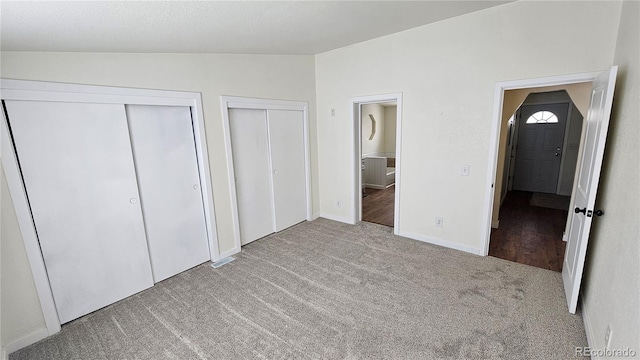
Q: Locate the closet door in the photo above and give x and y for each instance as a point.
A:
(165, 158)
(80, 181)
(286, 133)
(251, 163)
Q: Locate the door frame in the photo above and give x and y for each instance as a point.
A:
(61, 92)
(500, 88)
(236, 102)
(355, 105)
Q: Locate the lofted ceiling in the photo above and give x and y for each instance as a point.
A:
(248, 27)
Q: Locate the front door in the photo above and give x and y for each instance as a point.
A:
(538, 153)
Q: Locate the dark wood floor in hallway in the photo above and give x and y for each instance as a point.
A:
(378, 205)
(528, 234)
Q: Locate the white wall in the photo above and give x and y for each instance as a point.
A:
(262, 76)
(447, 73)
(20, 307)
(390, 128)
(375, 145)
(611, 286)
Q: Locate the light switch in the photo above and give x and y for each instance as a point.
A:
(464, 171)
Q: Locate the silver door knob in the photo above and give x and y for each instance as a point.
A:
(195, 187)
(556, 154)
(275, 171)
(133, 200)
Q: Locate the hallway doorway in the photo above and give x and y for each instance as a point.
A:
(376, 158)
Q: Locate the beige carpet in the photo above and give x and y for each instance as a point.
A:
(550, 201)
(326, 290)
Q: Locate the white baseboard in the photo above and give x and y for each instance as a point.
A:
(342, 219)
(25, 341)
(495, 224)
(3, 353)
(441, 242)
(229, 253)
(588, 329)
(375, 186)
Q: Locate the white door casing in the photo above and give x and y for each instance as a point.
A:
(539, 149)
(81, 184)
(164, 153)
(596, 126)
(254, 192)
(286, 139)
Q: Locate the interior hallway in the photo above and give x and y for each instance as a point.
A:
(529, 234)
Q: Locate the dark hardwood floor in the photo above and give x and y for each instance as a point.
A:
(528, 234)
(377, 206)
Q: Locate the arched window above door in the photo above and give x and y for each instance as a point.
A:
(542, 117)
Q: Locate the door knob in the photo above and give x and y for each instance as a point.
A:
(195, 187)
(556, 154)
(578, 210)
(599, 212)
(133, 200)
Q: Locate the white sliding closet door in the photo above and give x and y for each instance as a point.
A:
(286, 133)
(80, 180)
(165, 157)
(250, 148)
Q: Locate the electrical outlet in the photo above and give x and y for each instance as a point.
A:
(607, 337)
(464, 171)
(439, 222)
(338, 203)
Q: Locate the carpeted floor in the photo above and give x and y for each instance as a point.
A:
(328, 290)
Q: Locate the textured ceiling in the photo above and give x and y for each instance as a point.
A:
(249, 27)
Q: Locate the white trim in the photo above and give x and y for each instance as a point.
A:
(314, 216)
(495, 224)
(206, 186)
(235, 102)
(495, 135)
(229, 253)
(338, 218)
(30, 339)
(441, 242)
(356, 157)
(47, 91)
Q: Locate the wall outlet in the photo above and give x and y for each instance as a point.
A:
(333, 112)
(439, 222)
(338, 203)
(607, 337)
(464, 170)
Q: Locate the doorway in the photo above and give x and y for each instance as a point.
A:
(539, 165)
(587, 175)
(378, 148)
(376, 158)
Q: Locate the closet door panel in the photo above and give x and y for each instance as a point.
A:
(80, 181)
(250, 150)
(286, 132)
(167, 169)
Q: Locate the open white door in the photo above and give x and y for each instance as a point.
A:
(595, 136)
